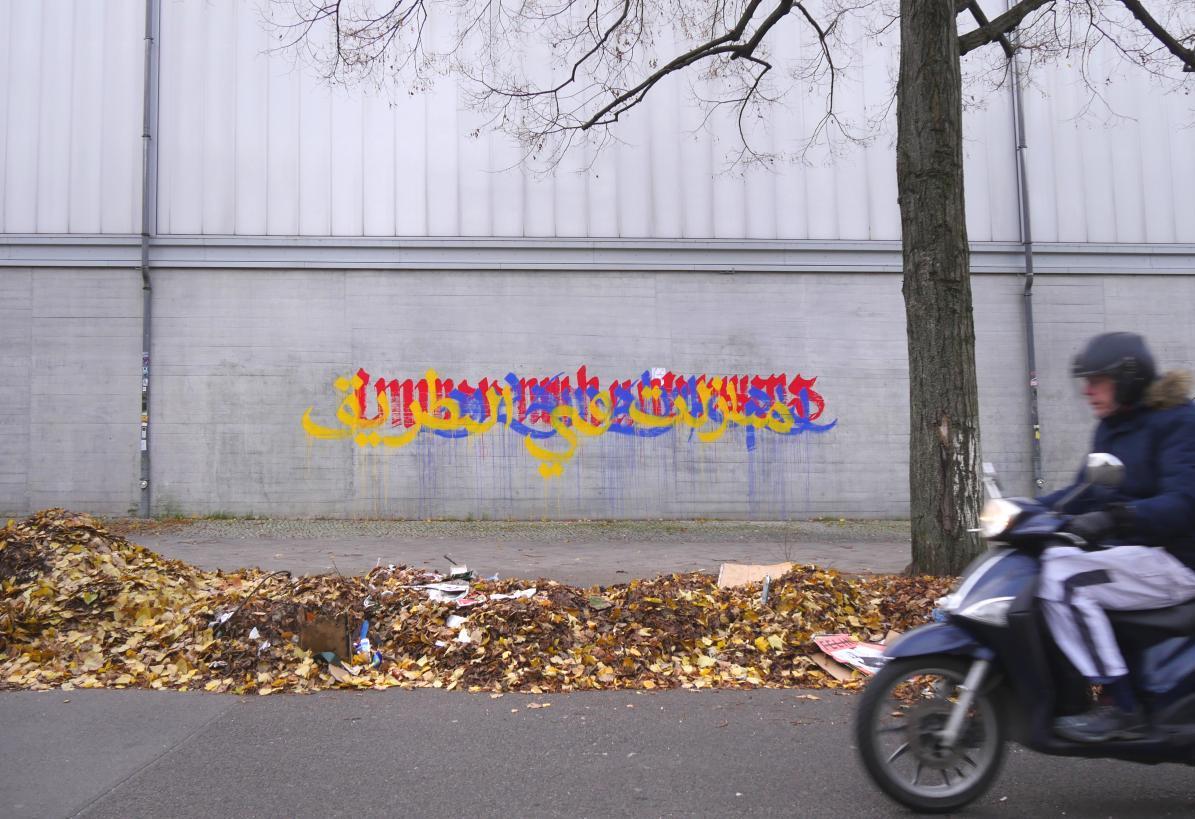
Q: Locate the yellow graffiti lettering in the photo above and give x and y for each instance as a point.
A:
(552, 461)
(647, 419)
(600, 409)
(718, 397)
(321, 432)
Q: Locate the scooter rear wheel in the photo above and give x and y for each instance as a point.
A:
(903, 709)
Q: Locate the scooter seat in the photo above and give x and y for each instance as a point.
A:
(1178, 619)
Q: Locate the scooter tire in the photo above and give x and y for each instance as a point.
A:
(872, 703)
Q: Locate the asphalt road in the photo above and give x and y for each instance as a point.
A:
(432, 754)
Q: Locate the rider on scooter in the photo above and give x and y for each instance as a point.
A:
(1140, 537)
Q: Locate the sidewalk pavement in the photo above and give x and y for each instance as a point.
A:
(582, 553)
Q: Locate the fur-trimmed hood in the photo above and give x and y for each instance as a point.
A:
(1172, 389)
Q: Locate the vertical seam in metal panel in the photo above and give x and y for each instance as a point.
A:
(35, 164)
(4, 120)
(394, 176)
(203, 35)
(361, 163)
(269, 126)
(298, 124)
(70, 121)
(236, 120)
(99, 203)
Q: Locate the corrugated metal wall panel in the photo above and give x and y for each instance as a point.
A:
(1114, 167)
(23, 116)
(124, 68)
(70, 107)
(6, 87)
(251, 144)
(352, 162)
(54, 116)
(85, 200)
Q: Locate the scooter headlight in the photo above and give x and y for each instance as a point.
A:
(993, 611)
(997, 517)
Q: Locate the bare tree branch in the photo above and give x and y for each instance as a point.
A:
(1006, 22)
(982, 19)
(1163, 36)
(591, 61)
(610, 112)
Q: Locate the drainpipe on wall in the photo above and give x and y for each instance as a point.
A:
(149, 186)
(1018, 117)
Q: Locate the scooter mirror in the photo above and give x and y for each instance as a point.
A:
(1104, 469)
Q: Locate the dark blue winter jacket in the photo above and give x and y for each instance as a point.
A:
(1156, 441)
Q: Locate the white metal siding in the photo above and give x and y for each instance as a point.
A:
(1122, 173)
(70, 116)
(252, 145)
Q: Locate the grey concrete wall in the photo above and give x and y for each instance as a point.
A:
(239, 355)
(70, 407)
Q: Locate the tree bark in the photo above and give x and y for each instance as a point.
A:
(944, 453)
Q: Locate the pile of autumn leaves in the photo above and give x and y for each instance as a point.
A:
(80, 607)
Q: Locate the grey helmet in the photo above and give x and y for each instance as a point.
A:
(1122, 356)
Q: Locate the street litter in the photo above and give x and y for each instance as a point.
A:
(849, 653)
(445, 591)
(84, 608)
(363, 649)
(521, 593)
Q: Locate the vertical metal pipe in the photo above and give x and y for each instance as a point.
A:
(1018, 116)
(149, 185)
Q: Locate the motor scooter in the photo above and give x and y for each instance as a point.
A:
(934, 721)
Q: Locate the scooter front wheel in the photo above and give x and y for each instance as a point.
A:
(898, 730)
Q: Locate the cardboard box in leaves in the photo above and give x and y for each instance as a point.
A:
(842, 655)
(742, 574)
(320, 632)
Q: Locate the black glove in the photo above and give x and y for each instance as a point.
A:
(1092, 526)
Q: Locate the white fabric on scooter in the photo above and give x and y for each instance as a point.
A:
(1077, 587)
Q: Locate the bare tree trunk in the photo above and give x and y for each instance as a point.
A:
(944, 479)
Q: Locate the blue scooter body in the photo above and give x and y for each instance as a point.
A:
(1034, 681)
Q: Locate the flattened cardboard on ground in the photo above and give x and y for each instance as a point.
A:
(834, 668)
(841, 671)
(845, 649)
(740, 574)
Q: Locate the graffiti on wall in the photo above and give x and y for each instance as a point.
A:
(553, 415)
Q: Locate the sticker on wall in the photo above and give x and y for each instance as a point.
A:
(554, 415)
